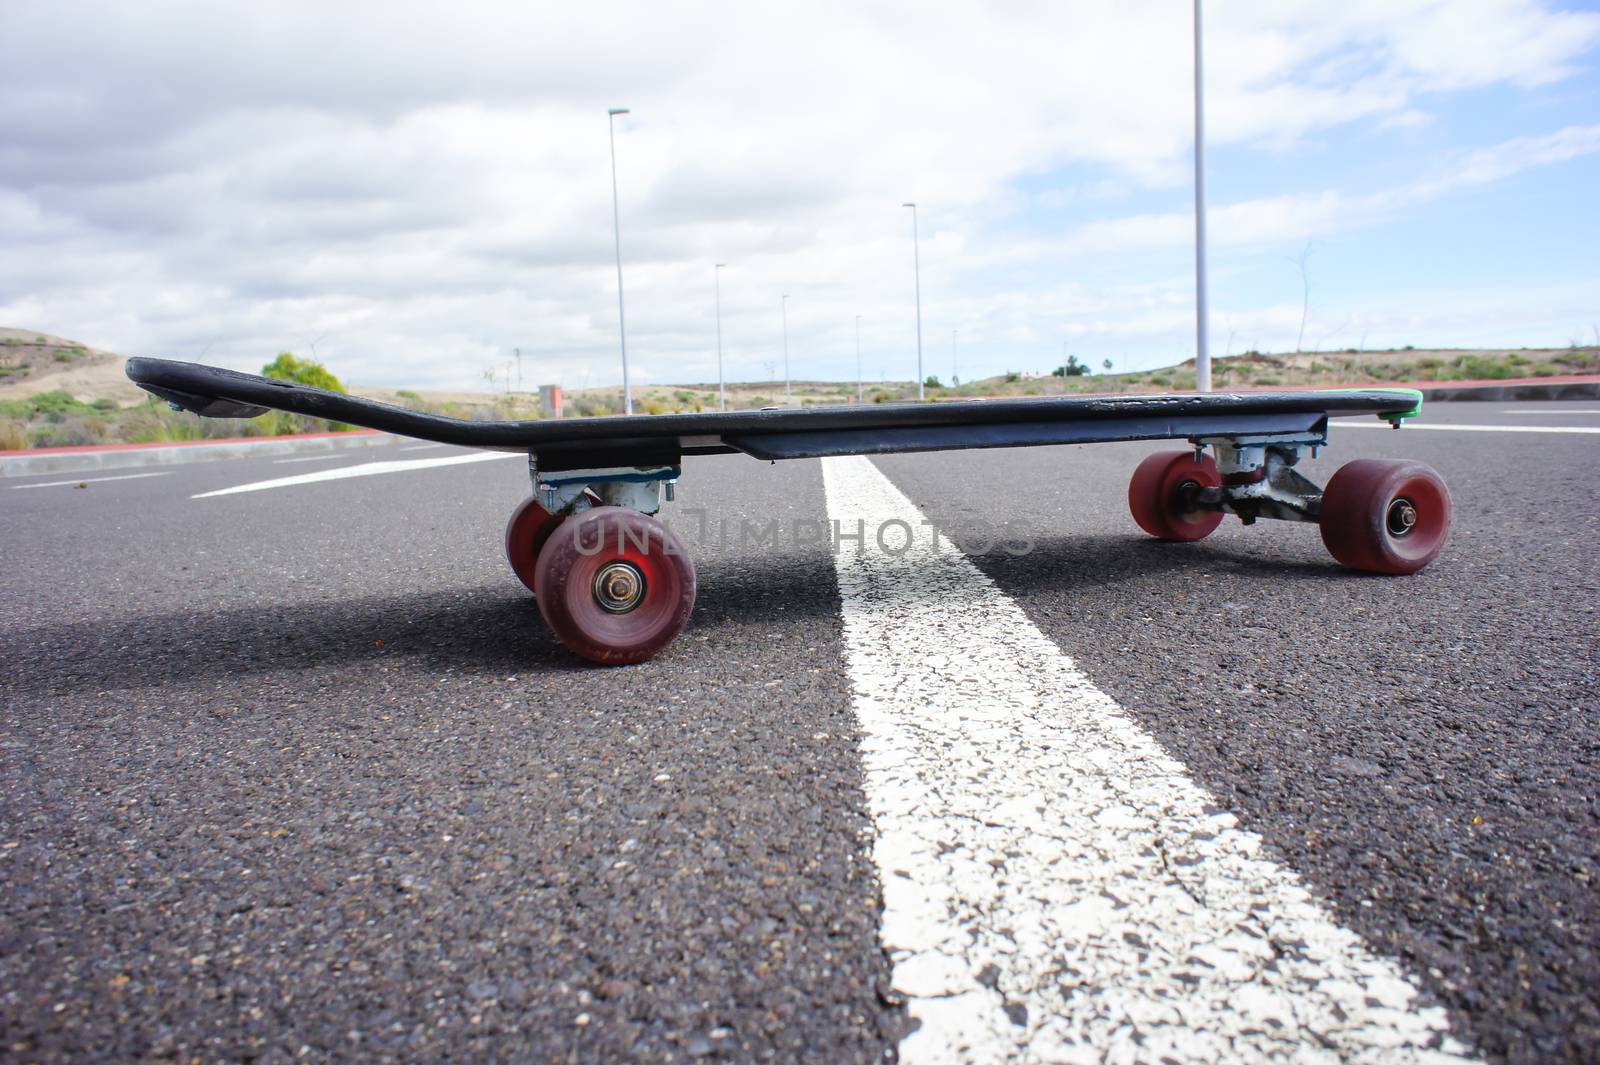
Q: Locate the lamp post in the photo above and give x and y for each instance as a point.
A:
(722, 390)
(916, 266)
(616, 223)
(861, 388)
(954, 375)
(788, 385)
(1202, 353)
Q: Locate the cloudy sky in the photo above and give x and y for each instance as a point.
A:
(418, 189)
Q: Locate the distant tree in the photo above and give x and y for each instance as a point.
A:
(1073, 368)
(286, 367)
(932, 382)
(1107, 365)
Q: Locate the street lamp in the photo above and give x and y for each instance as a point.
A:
(861, 389)
(954, 377)
(788, 386)
(1202, 353)
(616, 222)
(916, 266)
(722, 390)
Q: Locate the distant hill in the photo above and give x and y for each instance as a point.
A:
(32, 363)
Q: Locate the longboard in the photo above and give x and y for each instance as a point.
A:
(598, 481)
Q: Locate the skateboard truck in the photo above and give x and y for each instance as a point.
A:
(635, 488)
(1259, 479)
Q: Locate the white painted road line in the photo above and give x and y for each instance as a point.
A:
(366, 469)
(423, 447)
(1362, 423)
(1056, 887)
(308, 458)
(92, 480)
(1558, 411)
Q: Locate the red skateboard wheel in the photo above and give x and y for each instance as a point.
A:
(1385, 517)
(615, 586)
(1155, 495)
(530, 526)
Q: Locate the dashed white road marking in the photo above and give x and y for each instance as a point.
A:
(1362, 423)
(365, 469)
(308, 458)
(1056, 887)
(423, 447)
(92, 480)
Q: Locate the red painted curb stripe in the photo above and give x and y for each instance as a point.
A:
(89, 448)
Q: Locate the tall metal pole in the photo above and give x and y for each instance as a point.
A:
(788, 386)
(616, 223)
(861, 388)
(916, 265)
(1202, 353)
(722, 390)
(954, 333)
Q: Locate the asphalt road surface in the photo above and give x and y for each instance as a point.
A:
(297, 772)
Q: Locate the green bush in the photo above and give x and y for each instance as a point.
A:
(71, 431)
(1269, 381)
(1480, 367)
(286, 367)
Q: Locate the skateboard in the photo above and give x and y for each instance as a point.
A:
(617, 586)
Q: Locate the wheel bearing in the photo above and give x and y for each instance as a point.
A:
(1401, 518)
(619, 587)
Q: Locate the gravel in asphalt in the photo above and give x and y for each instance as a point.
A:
(287, 772)
(301, 768)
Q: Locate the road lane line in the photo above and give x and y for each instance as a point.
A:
(423, 447)
(1055, 886)
(92, 480)
(365, 469)
(1362, 423)
(1561, 411)
(308, 458)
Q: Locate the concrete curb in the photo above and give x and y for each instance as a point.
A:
(121, 456)
(1511, 391)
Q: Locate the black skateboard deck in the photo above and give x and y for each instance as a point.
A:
(791, 432)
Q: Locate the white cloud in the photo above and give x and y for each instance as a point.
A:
(426, 187)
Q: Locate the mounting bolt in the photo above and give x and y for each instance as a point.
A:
(672, 490)
(549, 491)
